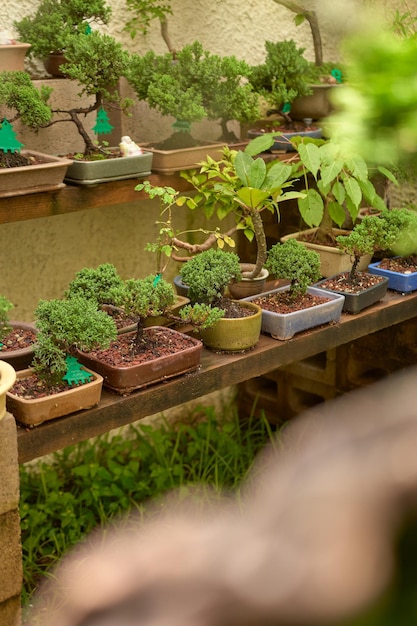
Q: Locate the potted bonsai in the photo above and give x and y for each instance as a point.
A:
(280, 80)
(336, 182)
(208, 275)
(56, 385)
(298, 306)
(399, 264)
(190, 85)
(244, 186)
(54, 23)
(17, 339)
(149, 354)
(12, 53)
(25, 171)
(361, 288)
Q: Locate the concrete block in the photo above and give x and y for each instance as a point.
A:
(11, 576)
(9, 467)
(10, 612)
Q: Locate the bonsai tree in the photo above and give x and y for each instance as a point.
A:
(96, 284)
(243, 186)
(55, 22)
(282, 77)
(5, 307)
(336, 183)
(294, 262)
(64, 325)
(193, 84)
(20, 99)
(208, 274)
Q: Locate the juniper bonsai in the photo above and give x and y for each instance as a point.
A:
(208, 274)
(64, 325)
(96, 284)
(294, 262)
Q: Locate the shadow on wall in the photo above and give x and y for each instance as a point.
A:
(313, 542)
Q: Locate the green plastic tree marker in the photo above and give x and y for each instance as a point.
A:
(337, 74)
(181, 126)
(88, 29)
(75, 374)
(286, 108)
(102, 125)
(156, 279)
(8, 141)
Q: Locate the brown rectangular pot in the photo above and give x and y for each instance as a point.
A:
(45, 176)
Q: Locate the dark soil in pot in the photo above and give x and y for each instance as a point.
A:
(33, 387)
(403, 265)
(233, 309)
(178, 141)
(17, 339)
(15, 159)
(284, 303)
(343, 282)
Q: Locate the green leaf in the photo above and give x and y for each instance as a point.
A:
(368, 191)
(353, 190)
(277, 175)
(357, 165)
(243, 164)
(253, 198)
(299, 19)
(260, 144)
(311, 208)
(331, 171)
(339, 192)
(352, 208)
(310, 157)
(337, 213)
(257, 173)
(388, 174)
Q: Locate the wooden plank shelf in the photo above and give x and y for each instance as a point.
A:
(79, 198)
(217, 371)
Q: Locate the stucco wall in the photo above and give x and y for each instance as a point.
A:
(39, 257)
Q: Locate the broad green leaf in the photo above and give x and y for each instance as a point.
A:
(277, 174)
(339, 192)
(388, 174)
(324, 189)
(337, 213)
(311, 208)
(290, 195)
(257, 173)
(357, 165)
(260, 144)
(353, 190)
(378, 203)
(251, 197)
(243, 164)
(310, 157)
(299, 19)
(352, 208)
(368, 191)
(331, 171)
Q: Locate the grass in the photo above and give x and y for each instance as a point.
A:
(92, 483)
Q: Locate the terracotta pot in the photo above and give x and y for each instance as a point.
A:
(47, 175)
(285, 325)
(126, 379)
(22, 358)
(12, 57)
(33, 412)
(53, 63)
(248, 286)
(7, 379)
(236, 334)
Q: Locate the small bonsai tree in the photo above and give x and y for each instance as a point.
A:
(336, 183)
(282, 77)
(5, 307)
(208, 274)
(64, 325)
(55, 22)
(96, 284)
(192, 84)
(294, 262)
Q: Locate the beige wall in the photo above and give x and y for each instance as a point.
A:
(39, 257)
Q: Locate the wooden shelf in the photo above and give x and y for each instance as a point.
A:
(217, 371)
(79, 198)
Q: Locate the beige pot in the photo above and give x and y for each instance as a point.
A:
(7, 379)
(46, 175)
(234, 334)
(171, 161)
(12, 57)
(332, 260)
(248, 286)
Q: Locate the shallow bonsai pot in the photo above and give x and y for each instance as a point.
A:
(180, 287)
(46, 176)
(285, 326)
(7, 379)
(32, 412)
(12, 57)
(234, 334)
(248, 286)
(161, 320)
(171, 161)
(315, 106)
(107, 170)
(356, 302)
(22, 358)
(126, 379)
(397, 281)
(282, 141)
(332, 260)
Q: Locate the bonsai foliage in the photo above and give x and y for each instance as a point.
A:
(303, 11)
(5, 307)
(336, 183)
(144, 12)
(64, 325)
(142, 298)
(243, 186)
(170, 241)
(96, 284)
(192, 84)
(282, 77)
(55, 22)
(208, 274)
(293, 261)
